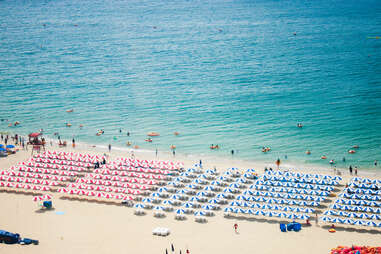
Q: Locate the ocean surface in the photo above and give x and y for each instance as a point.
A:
(240, 74)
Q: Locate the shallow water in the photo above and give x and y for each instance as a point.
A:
(219, 72)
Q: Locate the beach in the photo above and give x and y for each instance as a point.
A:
(267, 104)
(88, 227)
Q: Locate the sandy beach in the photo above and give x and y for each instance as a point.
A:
(88, 227)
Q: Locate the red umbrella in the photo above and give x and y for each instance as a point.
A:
(34, 134)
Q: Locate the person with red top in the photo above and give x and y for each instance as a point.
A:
(236, 228)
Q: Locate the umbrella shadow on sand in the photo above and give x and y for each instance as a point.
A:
(44, 210)
(257, 219)
(349, 229)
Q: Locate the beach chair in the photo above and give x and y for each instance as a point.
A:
(290, 226)
(297, 227)
(283, 227)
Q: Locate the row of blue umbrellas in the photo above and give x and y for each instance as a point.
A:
(299, 180)
(266, 213)
(358, 202)
(295, 191)
(365, 180)
(350, 221)
(366, 186)
(353, 215)
(286, 196)
(359, 196)
(273, 207)
(298, 174)
(363, 191)
(290, 184)
(367, 209)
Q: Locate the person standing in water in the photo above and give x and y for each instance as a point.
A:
(128, 133)
(375, 163)
(277, 163)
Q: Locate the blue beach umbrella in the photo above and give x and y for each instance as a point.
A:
(10, 146)
(199, 213)
(163, 189)
(180, 211)
(187, 205)
(155, 195)
(221, 195)
(167, 202)
(214, 201)
(2, 149)
(192, 199)
(158, 208)
(147, 200)
(139, 206)
(228, 209)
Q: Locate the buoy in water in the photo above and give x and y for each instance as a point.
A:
(176, 133)
(136, 147)
(308, 152)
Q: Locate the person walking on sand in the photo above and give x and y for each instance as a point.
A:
(200, 164)
(350, 169)
(156, 152)
(109, 147)
(73, 142)
(355, 171)
(235, 228)
(316, 219)
(174, 153)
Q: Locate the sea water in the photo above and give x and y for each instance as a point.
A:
(240, 74)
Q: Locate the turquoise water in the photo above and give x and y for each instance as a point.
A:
(231, 73)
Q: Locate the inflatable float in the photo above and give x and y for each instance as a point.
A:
(214, 147)
(153, 134)
(149, 140)
(351, 151)
(176, 133)
(70, 110)
(68, 124)
(173, 147)
(323, 157)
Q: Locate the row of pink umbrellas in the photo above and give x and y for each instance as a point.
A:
(104, 188)
(125, 173)
(47, 171)
(180, 164)
(63, 162)
(56, 166)
(24, 186)
(41, 198)
(28, 180)
(68, 154)
(94, 194)
(136, 169)
(32, 175)
(108, 180)
(115, 184)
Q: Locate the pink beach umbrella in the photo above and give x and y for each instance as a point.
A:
(37, 198)
(47, 197)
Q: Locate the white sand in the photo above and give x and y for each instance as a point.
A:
(100, 228)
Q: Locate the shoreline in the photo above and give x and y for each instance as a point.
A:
(221, 162)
